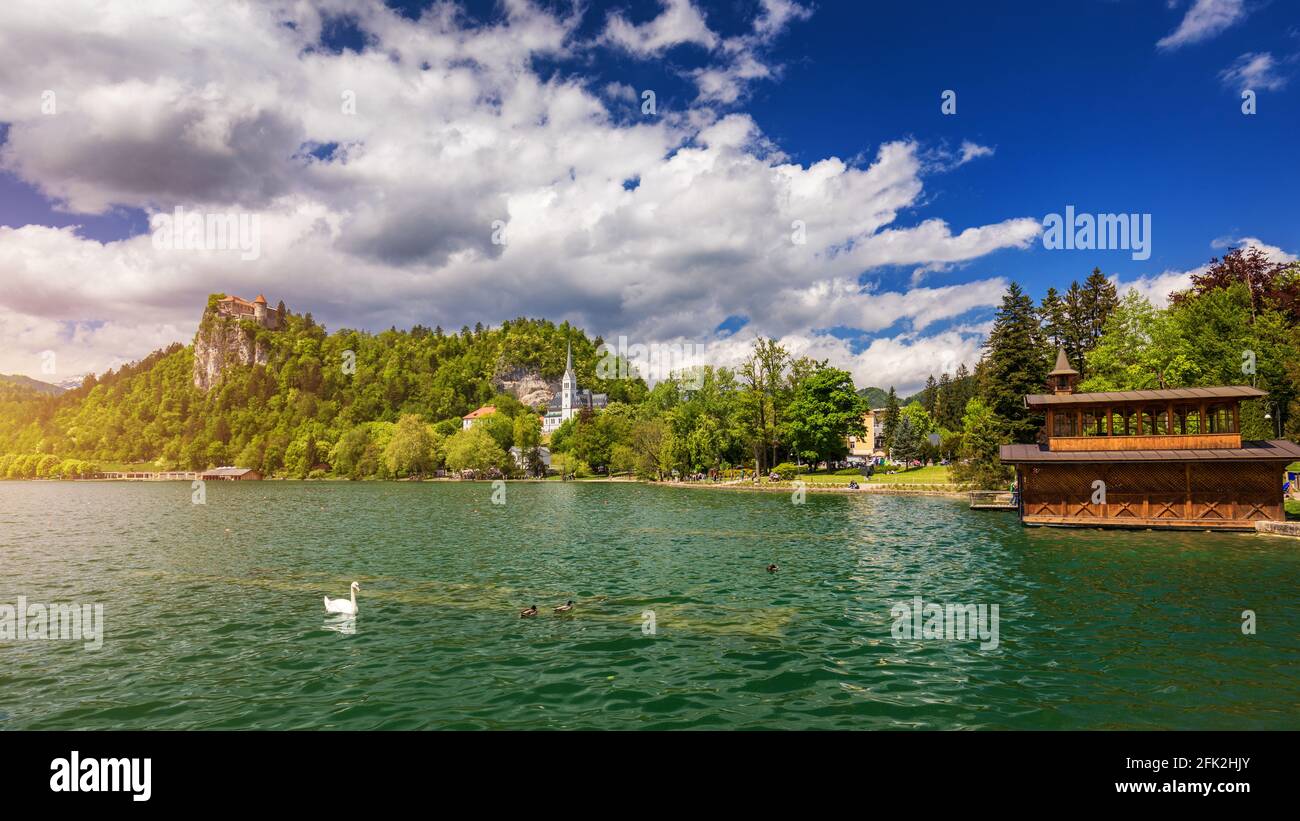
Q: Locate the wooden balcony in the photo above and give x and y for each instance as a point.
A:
(1201, 441)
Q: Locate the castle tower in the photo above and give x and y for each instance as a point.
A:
(568, 387)
(259, 310)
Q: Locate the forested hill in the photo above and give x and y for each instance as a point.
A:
(19, 381)
(287, 413)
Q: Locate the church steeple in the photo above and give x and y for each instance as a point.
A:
(568, 387)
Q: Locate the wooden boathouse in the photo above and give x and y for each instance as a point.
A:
(1170, 458)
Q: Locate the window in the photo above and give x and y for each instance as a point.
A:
(1065, 423)
(1094, 423)
(1123, 422)
(1220, 418)
(1187, 419)
(1155, 421)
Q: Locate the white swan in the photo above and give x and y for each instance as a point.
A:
(347, 608)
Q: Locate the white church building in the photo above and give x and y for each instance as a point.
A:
(571, 399)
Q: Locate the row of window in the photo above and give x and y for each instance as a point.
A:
(1186, 420)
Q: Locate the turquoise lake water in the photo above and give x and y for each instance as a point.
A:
(214, 616)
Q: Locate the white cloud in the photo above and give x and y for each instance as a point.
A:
(738, 60)
(621, 91)
(971, 151)
(453, 131)
(1255, 71)
(678, 23)
(1157, 287)
(1204, 20)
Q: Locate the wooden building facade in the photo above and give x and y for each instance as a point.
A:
(1171, 458)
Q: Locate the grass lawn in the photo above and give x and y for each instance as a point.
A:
(930, 475)
(1292, 508)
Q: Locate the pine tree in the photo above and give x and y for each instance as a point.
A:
(1100, 299)
(1074, 337)
(905, 444)
(963, 390)
(1015, 364)
(1054, 319)
(891, 418)
(930, 395)
(942, 400)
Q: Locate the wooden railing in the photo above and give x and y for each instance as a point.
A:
(1201, 441)
(992, 500)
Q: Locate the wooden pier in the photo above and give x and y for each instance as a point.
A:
(993, 500)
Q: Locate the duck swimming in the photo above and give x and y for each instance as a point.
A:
(564, 608)
(531, 611)
(771, 568)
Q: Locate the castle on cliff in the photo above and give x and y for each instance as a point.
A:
(219, 345)
(236, 308)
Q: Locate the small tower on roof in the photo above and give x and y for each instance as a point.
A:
(1063, 378)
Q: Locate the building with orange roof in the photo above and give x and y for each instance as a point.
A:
(256, 310)
(467, 421)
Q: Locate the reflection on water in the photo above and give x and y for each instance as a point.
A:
(1097, 629)
(339, 623)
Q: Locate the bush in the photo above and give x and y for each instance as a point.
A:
(786, 470)
(849, 471)
(317, 474)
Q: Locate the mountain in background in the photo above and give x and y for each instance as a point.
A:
(876, 397)
(36, 385)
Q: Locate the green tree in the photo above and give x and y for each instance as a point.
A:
(906, 443)
(1140, 348)
(1015, 364)
(475, 450)
(889, 423)
(411, 450)
(982, 435)
(348, 454)
(1053, 317)
(823, 413)
(528, 438)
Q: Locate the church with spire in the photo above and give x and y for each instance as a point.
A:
(571, 399)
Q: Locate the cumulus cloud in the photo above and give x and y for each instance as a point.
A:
(1205, 19)
(458, 186)
(734, 62)
(678, 22)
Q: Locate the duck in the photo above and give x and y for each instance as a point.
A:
(531, 611)
(771, 568)
(347, 608)
(564, 608)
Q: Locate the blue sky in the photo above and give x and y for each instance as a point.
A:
(1126, 106)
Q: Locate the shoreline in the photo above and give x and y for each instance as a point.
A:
(897, 489)
(812, 487)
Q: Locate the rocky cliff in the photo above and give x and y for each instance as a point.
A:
(223, 342)
(525, 384)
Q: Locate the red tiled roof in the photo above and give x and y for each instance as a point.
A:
(1279, 450)
(486, 410)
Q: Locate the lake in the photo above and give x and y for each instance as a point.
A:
(214, 619)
